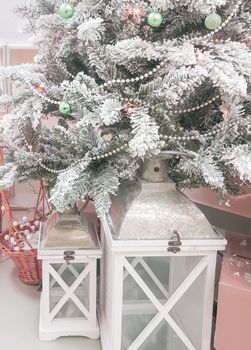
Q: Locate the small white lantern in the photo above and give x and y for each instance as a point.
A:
(69, 252)
(158, 269)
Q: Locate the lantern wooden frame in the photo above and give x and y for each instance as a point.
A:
(116, 267)
(82, 265)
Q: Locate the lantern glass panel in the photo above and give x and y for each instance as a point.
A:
(138, 311)
(155, 273)
(70, 310)
(56, 294)
(61, 279)
(190, 305)
(180, 269)
(148, 284)
(162, 275)
(164, 338)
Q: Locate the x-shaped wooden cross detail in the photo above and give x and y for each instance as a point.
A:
(69, 292)
(165, 309)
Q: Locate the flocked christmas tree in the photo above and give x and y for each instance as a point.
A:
(122, 79)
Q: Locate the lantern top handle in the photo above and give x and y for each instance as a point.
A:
(171, 154)
(156, 168)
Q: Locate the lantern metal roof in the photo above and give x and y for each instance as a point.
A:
(152, 208)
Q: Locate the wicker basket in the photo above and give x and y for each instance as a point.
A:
(28, 266)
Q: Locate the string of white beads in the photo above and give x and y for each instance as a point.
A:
(40, 94)
(109, 83)
(196, 108)
(84, 160)
(47, 99)
(190, 137)
(123, 147)
(198, 39)
(245, 122)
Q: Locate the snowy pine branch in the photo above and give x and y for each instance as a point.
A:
(8, 175)
(71, 185)
(110, 111)
(106, 182)
(240, 158)
(91, 30)
(129, 86)
(144, 131)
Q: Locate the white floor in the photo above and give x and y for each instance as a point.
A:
(19, 314)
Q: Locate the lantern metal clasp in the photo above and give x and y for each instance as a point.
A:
(174, 243)
(68, 256)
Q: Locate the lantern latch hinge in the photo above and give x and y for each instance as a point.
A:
(69, 256)
(174, 243)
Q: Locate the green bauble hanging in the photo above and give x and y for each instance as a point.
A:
(155, 19)
(65, 108)
(213, 21)
(66, 10)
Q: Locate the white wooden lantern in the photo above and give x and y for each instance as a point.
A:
(158, 269)
(69, 254)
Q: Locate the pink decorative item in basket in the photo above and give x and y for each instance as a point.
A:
(20, 241)
(20, 244)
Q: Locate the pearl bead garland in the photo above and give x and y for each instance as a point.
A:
(190, 138)
(88, 158)
(161, 64)
(77, 162)
(133, 80)
(117, 150)
(102, 86)
(47, 99)
(203, 136)
(204, 104)
(112, 82)
(177, 111)
(109, 83)
(123, 99)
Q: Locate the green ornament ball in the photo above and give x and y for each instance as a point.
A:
(65, 108)
(66, 10)
(213, 21)
(155, 19)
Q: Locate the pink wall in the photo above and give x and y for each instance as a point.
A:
(19, 55)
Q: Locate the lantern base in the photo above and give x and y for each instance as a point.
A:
(50, 331)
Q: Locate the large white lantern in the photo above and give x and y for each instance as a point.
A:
(158, 268)
(69, 252)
